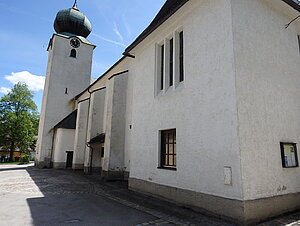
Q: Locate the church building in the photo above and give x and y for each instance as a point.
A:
(203, 109)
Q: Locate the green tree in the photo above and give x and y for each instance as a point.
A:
(18, 120)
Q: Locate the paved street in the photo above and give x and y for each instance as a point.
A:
(30, 196)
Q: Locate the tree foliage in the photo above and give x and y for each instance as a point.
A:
(18, 120)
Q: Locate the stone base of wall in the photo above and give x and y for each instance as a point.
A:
(77, 166)
(59, 165)
(126, 175)
(94, 170)
(263, 209)
(112, 175)
(241, 212)
(43, 164)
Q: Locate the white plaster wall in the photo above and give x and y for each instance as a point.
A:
(128, 120)
(64, 141)
(63, 72)
(97, 160)
(115, 120)
(80, 133)
(103, 79)
(118, 123)
(202, 109)
(98, 104)
(101, 103)
(95, 120)
(268, 83)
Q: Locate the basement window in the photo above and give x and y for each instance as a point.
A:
(289, 155)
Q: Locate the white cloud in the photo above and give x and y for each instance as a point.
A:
(34, 82)
(117, 32)
(109, 40)
(4, 90)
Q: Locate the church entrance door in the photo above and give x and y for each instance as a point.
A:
(69, 159)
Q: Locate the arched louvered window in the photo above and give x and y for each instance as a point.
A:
(73, 53)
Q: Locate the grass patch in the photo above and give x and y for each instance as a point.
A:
(9, 163)
(14, 163)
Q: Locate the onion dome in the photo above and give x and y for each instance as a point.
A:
(72, 21)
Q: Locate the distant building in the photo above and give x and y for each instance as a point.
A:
(202, 109)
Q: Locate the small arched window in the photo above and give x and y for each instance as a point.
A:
(73, 53)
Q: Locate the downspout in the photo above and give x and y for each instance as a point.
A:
(52, 151)
(87, 144)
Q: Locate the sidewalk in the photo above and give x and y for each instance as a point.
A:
(172, 212)
(162, 209)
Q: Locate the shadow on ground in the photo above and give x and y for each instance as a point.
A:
(70, 198)
(10, 169)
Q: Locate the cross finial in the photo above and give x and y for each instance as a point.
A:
(75, 5)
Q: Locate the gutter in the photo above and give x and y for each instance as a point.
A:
(293, 4)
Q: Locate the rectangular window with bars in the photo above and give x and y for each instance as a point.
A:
(168, 149)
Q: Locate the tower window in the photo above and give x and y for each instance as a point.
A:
(73, 53)
(102, 152)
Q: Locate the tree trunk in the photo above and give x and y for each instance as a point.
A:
(12, 150)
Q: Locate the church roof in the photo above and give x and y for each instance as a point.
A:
(72, 21)
(168, 9)
(100, 139)
(171, 7)
(293, 3)
(68, 122)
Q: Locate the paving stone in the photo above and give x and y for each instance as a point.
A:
(51, 183)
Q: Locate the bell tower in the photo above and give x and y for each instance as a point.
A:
(68, 74)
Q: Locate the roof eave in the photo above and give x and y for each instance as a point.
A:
(153, 26)
(293, 4)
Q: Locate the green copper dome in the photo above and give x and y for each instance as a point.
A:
(72, 21)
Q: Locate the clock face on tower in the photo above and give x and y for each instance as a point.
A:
(74, 42)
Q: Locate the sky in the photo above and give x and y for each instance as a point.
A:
(27, 26)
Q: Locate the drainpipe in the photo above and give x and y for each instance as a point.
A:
(52, 147)
(87, 144)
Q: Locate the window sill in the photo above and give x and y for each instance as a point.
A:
(167, 168)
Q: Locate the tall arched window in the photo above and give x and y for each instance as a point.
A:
(73, 53)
